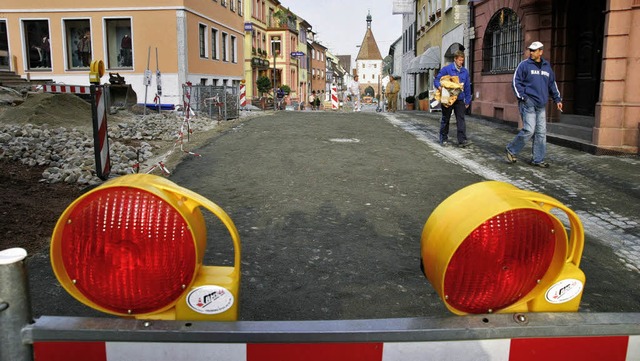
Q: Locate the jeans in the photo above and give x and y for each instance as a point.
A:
(459, 109)
(534, 125)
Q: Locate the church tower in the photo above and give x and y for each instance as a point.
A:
(369, 64)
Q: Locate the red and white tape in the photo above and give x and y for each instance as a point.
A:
(75, 89)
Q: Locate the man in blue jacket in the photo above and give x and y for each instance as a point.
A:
(533, 81)
(461, 104)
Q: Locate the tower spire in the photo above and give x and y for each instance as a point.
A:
(369, 20)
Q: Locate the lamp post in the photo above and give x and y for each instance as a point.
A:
(273, 50)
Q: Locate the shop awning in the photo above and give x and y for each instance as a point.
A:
(413, 66)
(430, 59)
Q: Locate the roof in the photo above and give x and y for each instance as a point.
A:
(369, 48)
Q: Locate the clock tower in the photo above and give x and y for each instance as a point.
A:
(369, 64)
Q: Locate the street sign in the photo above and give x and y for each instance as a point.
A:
(297, 53)
(248, 26)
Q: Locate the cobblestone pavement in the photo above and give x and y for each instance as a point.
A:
(603, 190)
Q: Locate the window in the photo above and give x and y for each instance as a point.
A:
(119, 43)
(77, 35)
(240, 12)
(234, 57)
(223, 2)
(232, 5)
(202, 30)
(502, 49)
(214, 44)
(225, 47)
(4, 46)
(37, 46)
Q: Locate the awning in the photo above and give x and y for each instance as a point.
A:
(430, 59)
(413, 66)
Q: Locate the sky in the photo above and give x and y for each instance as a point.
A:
(340, 25)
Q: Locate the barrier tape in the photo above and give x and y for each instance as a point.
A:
(186, 101)
(74, 89)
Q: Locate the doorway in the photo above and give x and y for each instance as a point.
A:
(585, 30)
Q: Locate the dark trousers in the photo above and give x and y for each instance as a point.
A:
(459, 108)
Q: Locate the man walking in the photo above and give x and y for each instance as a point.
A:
(533, 81)
(460, 105)
(392, 94)
(354, 89)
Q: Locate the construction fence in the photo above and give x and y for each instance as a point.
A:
(216, 102)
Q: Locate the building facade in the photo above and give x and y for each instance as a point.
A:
(593, 53)
(195, 42)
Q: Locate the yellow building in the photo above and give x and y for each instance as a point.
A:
(197, 42)
(273, 46)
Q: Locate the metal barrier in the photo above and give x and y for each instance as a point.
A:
(216, 102)
(522, 336)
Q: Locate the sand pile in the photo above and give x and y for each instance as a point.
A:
(65, 110)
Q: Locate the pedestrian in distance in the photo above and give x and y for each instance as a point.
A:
(312, 100)
(533, 82)
(280, 99)
(460, 105)
(354, 89)
(392, 94)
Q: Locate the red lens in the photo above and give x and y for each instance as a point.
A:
(500, 261)
(127, 250)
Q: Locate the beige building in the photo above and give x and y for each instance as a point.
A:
(197, 42)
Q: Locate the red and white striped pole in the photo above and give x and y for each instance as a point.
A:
(100, 136)
(334, 97)
(243, 94)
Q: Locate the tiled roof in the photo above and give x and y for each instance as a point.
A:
(369, 48)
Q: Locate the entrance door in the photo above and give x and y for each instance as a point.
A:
(4, 47)
(588, 40)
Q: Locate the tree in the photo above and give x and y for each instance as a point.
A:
(286, 89)
(264, 84)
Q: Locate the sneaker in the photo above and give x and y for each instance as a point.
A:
(511, 158)
(445, 143)
(540, 164)
(465, 143)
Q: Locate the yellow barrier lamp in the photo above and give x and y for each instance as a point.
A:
(134, 247)
(96, 71)
(491, 247)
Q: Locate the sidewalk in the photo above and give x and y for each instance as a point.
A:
(603, 190)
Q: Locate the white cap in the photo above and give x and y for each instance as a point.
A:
(535, 45)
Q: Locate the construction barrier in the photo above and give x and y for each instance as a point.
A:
(520, 337)
(100, 135)
(74, 89)
(334, 97)
(243, 95)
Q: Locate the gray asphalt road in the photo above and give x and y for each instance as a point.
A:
(330, 208)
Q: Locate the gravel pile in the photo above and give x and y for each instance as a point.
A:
(68, 153)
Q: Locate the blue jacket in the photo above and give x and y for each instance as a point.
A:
(463, 77)
(531, 82)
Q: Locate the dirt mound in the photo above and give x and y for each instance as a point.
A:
(64, 110)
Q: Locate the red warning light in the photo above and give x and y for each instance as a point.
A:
(127, 250)
(500, 261)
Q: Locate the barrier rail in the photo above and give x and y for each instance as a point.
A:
(539, 336)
